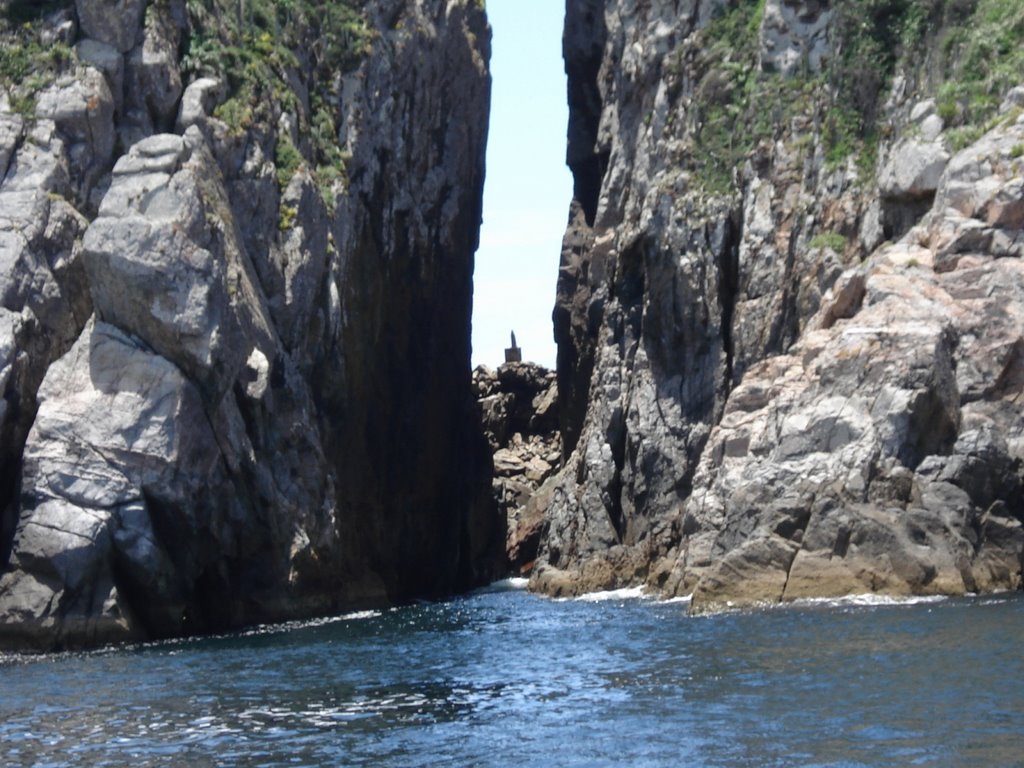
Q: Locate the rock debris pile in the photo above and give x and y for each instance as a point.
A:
(519, 410)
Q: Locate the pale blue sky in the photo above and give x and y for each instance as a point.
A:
(528, 187)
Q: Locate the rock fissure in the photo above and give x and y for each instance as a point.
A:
(728, 263)
(788, 314)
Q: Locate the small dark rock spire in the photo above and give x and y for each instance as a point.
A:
(513, 354)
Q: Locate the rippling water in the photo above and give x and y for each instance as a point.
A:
(506, 678)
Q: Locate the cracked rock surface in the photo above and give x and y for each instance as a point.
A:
(807, 384)
(233, 393)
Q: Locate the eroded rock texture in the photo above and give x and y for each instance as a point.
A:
(762, 399)
(519, 410)
(232, 395)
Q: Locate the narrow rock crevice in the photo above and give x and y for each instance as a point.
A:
(583, 48)
(728, 282)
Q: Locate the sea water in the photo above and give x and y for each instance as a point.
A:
(505, 678)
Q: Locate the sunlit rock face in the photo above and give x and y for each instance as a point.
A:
(234, 334)
(794, 372)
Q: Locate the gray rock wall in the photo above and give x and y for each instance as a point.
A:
(759, 403)
(230, 397)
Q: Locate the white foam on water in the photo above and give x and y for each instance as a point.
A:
(868, 600)
(628, 593)
(684, 600)
(513, 584)
(360, 615)
(290, 626)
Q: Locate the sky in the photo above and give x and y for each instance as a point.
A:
(528, 187)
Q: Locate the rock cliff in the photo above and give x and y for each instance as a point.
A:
(236, 251)
(790, 307)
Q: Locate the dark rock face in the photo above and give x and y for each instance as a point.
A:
(228, 397)
(519, 409)
(759, 403)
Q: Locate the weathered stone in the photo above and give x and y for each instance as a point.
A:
(42, 286)
(156, 269)
(922, 111)
(11, 127)
(271, 415)
(118, 430)
(117, 23)
(794, 35)
(293, 275)
(198, 101)
(107, 60)
(58, 26)
(524, 528)
(82, 108)
(755, 406)
(931, 128)
(506, 463)
(1014, 98)
(914, 170)
(518, 405)
(153, 84)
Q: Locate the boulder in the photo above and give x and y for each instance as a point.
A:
(198, 101)
(118, 23)
(106, 59)
(794, 34)
(913, 170)
(120, 437)
(82, 108)
(931, 128)
(158, 270)
(1014, 98)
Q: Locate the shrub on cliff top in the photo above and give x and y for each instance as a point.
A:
(969, 51)
(965, 52)
(984, 57)
(261, 47)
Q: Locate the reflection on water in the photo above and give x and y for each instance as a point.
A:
(504, 677)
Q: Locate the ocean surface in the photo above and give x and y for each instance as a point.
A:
(505, 678)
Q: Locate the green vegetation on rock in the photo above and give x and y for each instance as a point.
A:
(831, 240)
(727, 93)
(741, 106)
(26, 64)
(967, 53)
(260, 49)
(984, 55)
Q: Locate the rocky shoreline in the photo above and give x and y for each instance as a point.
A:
(236, 256)
(801, 377)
